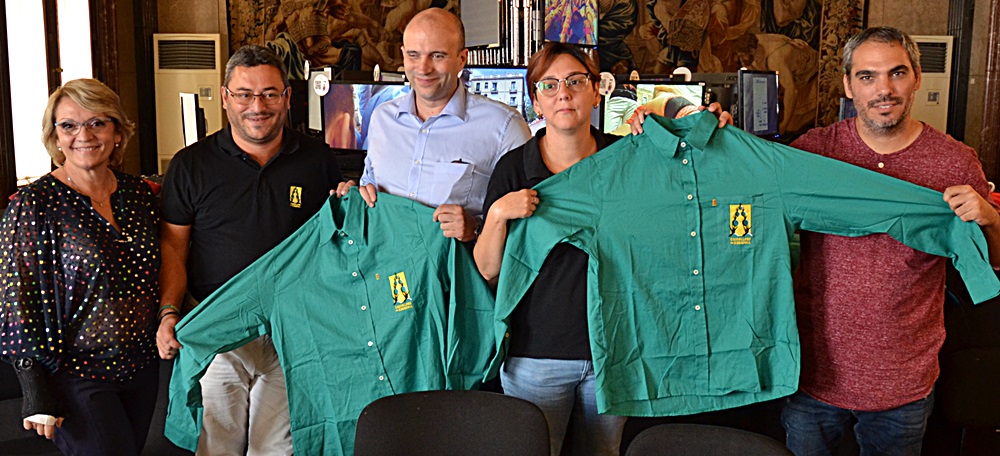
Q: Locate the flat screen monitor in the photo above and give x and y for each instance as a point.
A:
(192, 118)
(571, 21)
(481, 19)
(757, 100)
(507, 85)
(660, 97)
(847, 109)
(719, 88)
(348, 108)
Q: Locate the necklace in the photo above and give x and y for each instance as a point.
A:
(74, 187)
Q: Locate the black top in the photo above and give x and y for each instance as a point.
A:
(551, 319)
(79, 295)
(239, 210)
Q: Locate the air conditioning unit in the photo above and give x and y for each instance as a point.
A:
(184, 63)
(930, 104)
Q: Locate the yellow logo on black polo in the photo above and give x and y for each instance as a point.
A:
(740, 224)
(295, 196)
(400, 292)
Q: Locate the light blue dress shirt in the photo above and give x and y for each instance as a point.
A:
(446, 159)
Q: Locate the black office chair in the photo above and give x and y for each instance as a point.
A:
(702, 440)
(451, 423)
(967, 394)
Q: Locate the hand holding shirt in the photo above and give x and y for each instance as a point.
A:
(361, 303)
(690, 299)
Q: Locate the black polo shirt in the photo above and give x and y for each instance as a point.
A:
(551, 319)
(239, 210)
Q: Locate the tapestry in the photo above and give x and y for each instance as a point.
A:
(800, 39)
(341, 34)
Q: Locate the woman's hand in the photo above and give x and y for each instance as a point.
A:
(47, 430)
(166, 342)
(515, 205)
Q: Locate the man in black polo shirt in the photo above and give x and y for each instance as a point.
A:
(227, 200)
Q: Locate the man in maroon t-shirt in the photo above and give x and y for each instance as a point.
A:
(870, 309)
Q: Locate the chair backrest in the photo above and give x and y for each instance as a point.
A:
(451, 423)
(701, 439)
(966, 392)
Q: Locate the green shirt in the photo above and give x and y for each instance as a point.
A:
(361, 303)
(690, 301)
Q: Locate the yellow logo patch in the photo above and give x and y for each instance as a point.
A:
(295, 197)
(400, 292)
(740, 224)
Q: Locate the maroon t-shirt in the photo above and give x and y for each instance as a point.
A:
(870, 309)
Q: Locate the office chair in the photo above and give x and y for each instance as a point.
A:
(703, 439)
(967, 393)
(451, 423)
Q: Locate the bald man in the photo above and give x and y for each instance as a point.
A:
(438, 144)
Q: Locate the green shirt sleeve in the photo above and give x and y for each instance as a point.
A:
(562, 216)
(470, 343)
(862, 202)
(229, 318)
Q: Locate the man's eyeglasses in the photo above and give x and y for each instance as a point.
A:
(95, 125)
(574, 82)
(270, 97)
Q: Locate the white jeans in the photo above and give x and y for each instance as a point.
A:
(243, 392)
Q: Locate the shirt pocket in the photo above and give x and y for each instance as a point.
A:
(451, 183)
(734, 221)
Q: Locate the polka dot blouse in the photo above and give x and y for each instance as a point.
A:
(77, 294)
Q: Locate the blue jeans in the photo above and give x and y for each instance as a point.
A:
(564, 389)
(815, 428)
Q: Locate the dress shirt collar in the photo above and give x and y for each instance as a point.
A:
(696, 129)
(456, 104)
(347, 216)
(289, 142)
(342, 217)
(534, 167)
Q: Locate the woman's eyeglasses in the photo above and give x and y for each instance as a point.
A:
(95, 125)
(574, 82)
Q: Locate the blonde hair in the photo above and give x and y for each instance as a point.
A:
(92, 95)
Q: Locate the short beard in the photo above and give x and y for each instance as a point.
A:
(888, 127)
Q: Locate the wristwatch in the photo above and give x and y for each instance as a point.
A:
(24, 364)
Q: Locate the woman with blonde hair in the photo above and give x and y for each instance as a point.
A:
(79, 272)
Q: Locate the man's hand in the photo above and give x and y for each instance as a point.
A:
(46, 430)
(970, 206)
(343, 188)
(368, 193)
(725, 118)
(166, 342)
(515, 205)
(456, 222)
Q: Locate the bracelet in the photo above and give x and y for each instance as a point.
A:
(168, 306)
(164, 315)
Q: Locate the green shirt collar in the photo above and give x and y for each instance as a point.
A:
(335, 218)
(696, 129)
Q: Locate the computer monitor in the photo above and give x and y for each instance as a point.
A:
(847, 110)
(757, 102)
(507, 85)
(571, 21)
(661, 97)
(192, 118)
(719, 88)
(348, 108)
